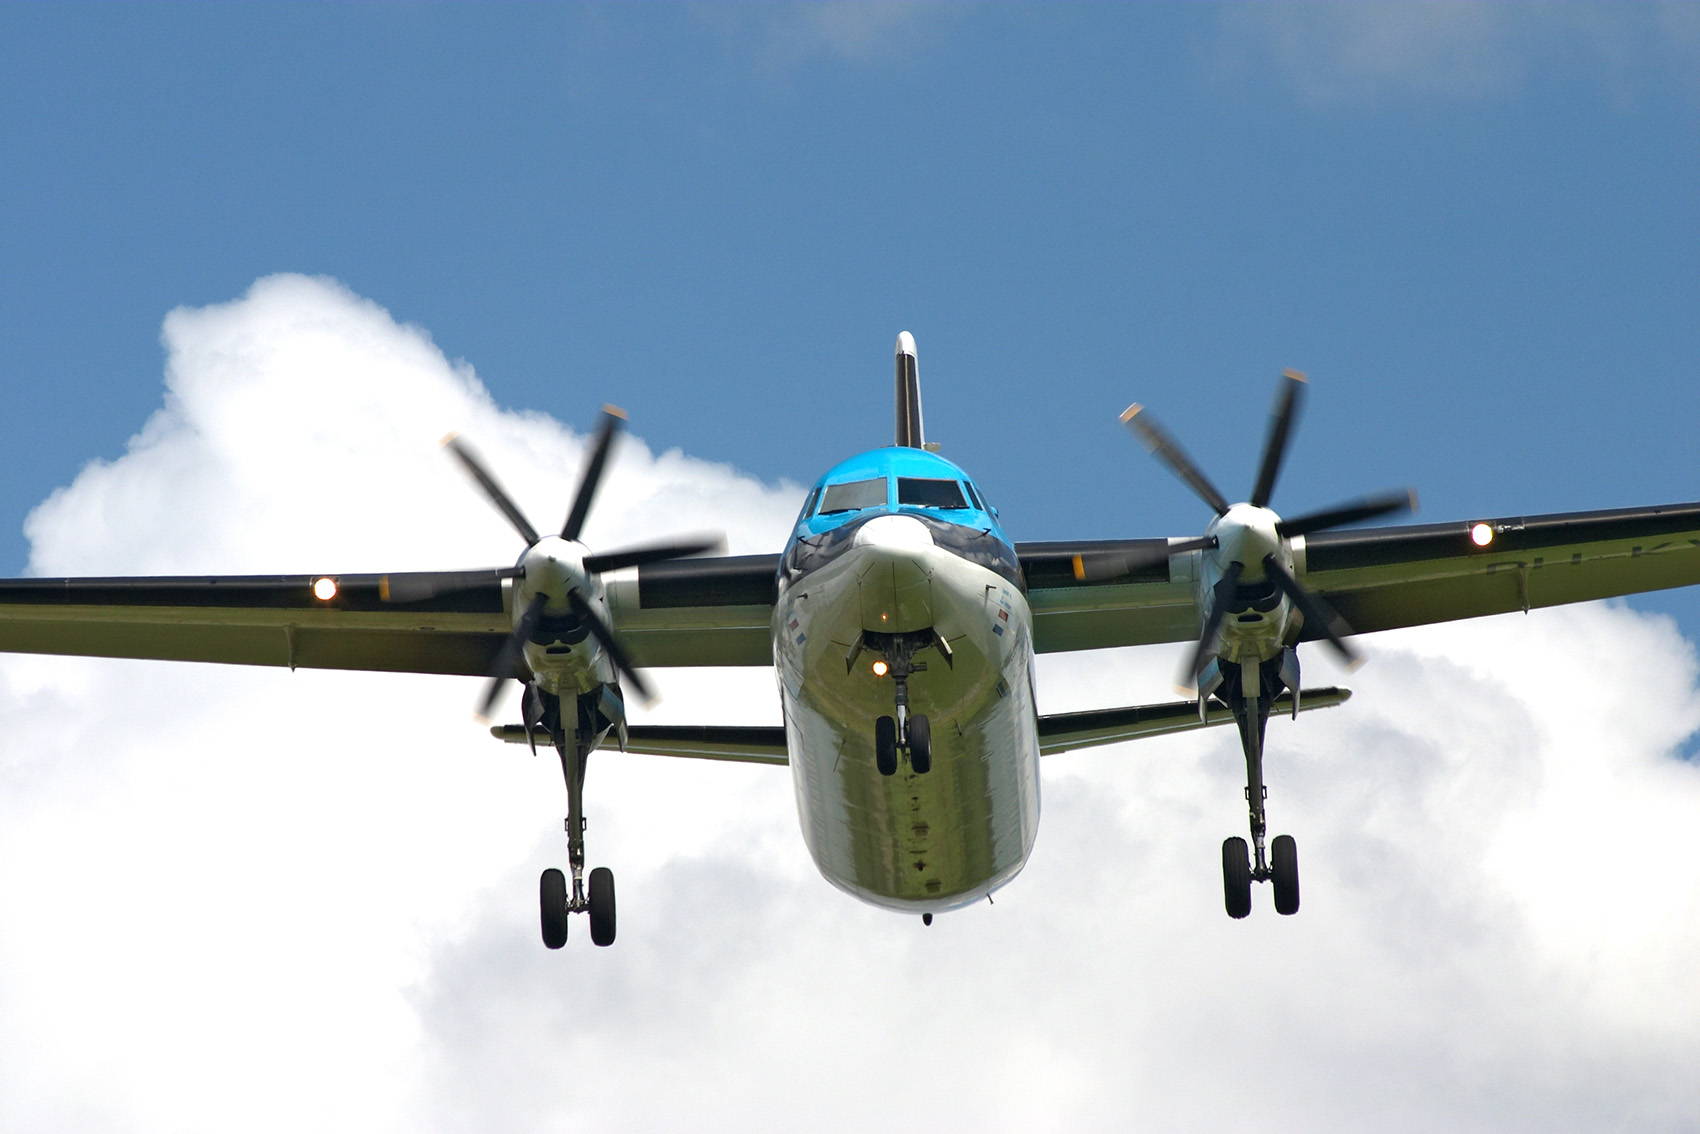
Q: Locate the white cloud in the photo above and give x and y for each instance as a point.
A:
(1460, 49)
(317, 890)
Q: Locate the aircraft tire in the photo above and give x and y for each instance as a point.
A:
(920, 745)
(552, 897)
(602, 906)
(1284, 871)
(885, 746)
(1236, 877)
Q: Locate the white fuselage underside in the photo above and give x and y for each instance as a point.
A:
(911, 842)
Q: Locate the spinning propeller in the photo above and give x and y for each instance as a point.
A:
(1251, 540)
(566, 568)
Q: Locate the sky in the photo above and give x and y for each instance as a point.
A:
(257, 259)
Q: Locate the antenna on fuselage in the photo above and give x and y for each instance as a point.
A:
(908, 394)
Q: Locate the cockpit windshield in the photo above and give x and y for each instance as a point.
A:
(928, 492)
(851, 497)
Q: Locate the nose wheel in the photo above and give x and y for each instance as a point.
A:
(889, 741)
(904, 732)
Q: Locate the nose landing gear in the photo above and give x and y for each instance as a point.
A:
(911, 733)
(1279, 861)
(573, 746)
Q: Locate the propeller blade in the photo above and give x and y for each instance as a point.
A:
(1281, 419)
(417, 586)
(1357, 511)
(1318, 614)
(605, 635)
(1097, 568)
(652, 553)
(475, 467)
(507, 661)
(1167, 450)
(612, 416)
(1224, 594)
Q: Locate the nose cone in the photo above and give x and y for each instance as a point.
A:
(552, 566)
(894, 533)
(895, 583)
(1246, 534)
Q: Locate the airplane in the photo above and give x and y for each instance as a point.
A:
(902, 623)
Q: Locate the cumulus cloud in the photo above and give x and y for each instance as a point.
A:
(318, 890)
(1458, 49)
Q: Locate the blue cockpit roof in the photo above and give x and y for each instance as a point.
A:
(890, 464)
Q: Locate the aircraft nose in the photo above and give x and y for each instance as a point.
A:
(896, 583)
(895, 533)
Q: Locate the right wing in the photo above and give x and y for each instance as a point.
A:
(1379, 578)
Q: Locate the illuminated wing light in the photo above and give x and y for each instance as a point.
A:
(1481, 534)
(324, 589)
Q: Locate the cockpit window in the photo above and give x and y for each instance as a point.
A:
(926, 492)
(853, 496)
(974, 496)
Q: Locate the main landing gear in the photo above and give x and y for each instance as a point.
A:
(554, 899)
(1279, 862)
(904, 732)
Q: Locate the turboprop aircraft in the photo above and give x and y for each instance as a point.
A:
(902, 622)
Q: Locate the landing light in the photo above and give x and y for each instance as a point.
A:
(324, 589)
(1481, 534)
(880, 669)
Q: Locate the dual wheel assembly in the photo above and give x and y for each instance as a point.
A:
(557, 906)
(1238, 875)
(888, 742)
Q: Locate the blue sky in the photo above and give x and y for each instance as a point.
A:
(1480, 240)
(1474, 226)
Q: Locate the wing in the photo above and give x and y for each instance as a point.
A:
(707, 611)
(263, 620)
(1383, 578)
(745, 744)
(716, 611)
(1153, 603)
(1061, 732)
(687, 612)
(1380, 578)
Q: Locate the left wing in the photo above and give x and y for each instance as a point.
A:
(1378, 578)
(711, 611)
(263, 620)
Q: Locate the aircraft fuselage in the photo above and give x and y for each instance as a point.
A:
(894, 554)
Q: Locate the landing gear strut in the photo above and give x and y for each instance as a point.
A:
(911, 733)
(573, 745)
(1249, 690)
